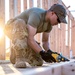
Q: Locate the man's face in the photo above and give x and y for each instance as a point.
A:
(53, 19)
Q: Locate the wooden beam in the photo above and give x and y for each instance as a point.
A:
(63, 68)
(11, 9)
(38, 3)
(25, 4)
(15, 8)
(30, 3)
(2, 22)
(18, 7)
(45, 4)
(73, 37)
(68, 12)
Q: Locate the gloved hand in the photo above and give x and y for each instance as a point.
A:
(58, 57)
(46, 56)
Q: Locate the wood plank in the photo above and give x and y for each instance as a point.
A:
(38, 3)
(18, 7)
(30, 3)
(73, 37)
(15, 8)
(25, 4)
(45, 4)
(2, 22)
(68, 12)
(69, 47)
(63, 68)
(11, 9)
(55, 2)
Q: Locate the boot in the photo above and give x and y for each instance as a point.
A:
(35, 60)
(20, 61)
(32, 57)
(12, 56)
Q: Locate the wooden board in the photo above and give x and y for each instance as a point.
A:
(63, 68)
(2, 21)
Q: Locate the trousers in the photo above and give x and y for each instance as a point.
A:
(16, 31)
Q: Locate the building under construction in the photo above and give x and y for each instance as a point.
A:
(61, 40)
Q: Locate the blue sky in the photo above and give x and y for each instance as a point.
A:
(70, 3)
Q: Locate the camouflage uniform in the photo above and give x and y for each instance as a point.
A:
(16, 30)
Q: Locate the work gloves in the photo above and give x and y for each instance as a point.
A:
(46, 56)
(51, 56)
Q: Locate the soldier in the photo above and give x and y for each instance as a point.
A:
(22, 29)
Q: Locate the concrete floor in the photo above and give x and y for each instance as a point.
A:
(63, 68)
